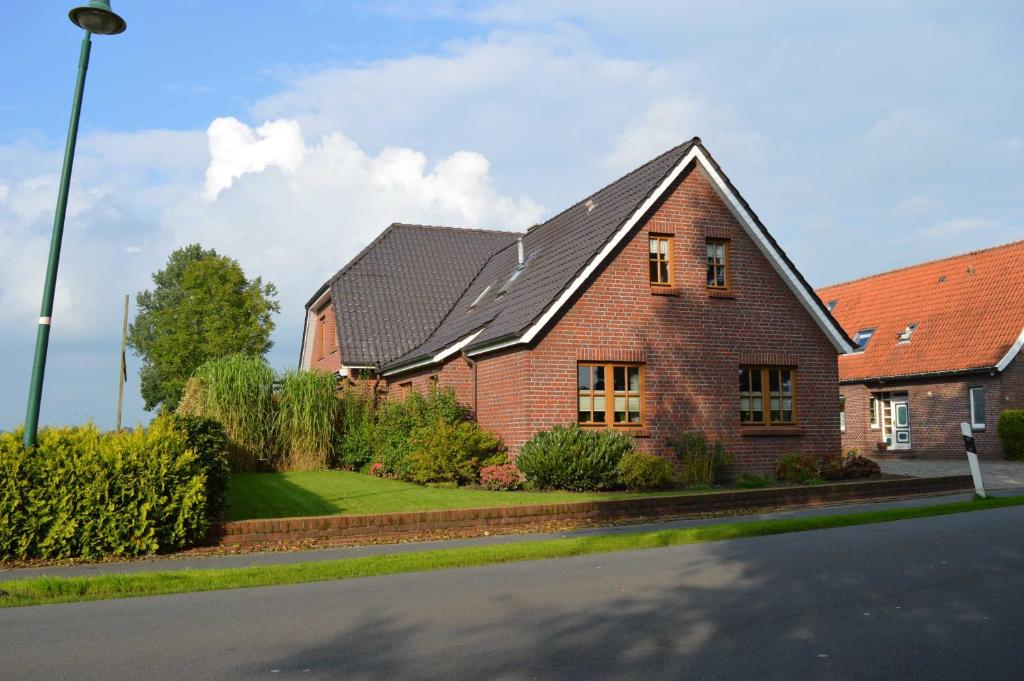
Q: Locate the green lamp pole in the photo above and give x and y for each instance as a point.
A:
(95, 17)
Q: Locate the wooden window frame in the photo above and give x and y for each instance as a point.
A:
(766, 412)
(726, 264)
(668, 259)
(874, 420)
(609, 394)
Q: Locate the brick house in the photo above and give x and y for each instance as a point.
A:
(939, 345)
(657, 304)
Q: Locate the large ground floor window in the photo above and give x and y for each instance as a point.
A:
(768, 396)
(610, 394)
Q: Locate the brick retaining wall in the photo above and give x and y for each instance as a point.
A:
(390, 524)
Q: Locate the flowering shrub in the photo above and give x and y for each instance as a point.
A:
(849, 467)
(502, 478)
(377, 470)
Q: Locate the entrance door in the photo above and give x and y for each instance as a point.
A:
(894, 410)
(900, 423)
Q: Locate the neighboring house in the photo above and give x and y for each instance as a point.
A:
(939, 345)
(657, 304)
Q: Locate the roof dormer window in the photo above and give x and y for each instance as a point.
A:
(905, 335)
(862, 338)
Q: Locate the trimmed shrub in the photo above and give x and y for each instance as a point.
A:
(569, 457)
(702, 463)
(450, 453)
(354, 440)
(81, 492)
(640, 471)
(798, 468)
(237, 391)
(503, 477)
(1011, 433)
(206, 438)
(307, 417)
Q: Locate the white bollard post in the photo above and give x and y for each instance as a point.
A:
(972, 459)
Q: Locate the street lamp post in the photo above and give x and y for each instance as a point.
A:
(95, 17)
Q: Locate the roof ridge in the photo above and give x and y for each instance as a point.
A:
(691, 141)
(454, 229)
(921, 264)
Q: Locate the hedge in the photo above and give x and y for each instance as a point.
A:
(83, 493)
(1011, 433)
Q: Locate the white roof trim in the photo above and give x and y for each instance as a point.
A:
(439, 357)
(744, 218)
(306, 360)
(1011, 353)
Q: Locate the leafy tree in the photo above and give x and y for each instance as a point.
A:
(202, 307)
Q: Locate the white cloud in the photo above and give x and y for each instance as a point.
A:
(957, 227)
(915, 205)
(298, 224)
(237, 149)
(4, 191)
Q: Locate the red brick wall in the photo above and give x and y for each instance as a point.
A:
(325, 338)
(691, 344)
(937, 408)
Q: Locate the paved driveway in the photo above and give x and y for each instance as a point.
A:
(995, 474)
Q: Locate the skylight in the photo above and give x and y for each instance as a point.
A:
(832, 305)
(480, 297)
(862, 338)
(511, 279)
(905, 335)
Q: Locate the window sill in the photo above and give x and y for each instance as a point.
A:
(772, 431)
(977, 429)
(664, 291)
(721, 293)
(635, 431)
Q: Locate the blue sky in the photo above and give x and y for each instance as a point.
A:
(867, 136)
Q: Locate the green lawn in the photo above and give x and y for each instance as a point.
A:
(283, 495)
(43, 590)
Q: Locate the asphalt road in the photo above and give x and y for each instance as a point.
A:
(938, 598)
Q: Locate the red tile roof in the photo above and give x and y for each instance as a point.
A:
(969, 311)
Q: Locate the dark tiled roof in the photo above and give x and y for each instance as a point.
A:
(556, 252)
(392, 296)
(967, 310)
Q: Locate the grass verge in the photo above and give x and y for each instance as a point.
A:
(47, 590)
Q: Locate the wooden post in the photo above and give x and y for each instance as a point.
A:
(124, 364)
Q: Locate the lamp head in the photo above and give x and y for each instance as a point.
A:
(97, 17)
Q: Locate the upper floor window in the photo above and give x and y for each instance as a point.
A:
(768, 396)
(321, 335)
(977, 408)
(661, 260)
(718, 263)
(862, 338)
(609, 395)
